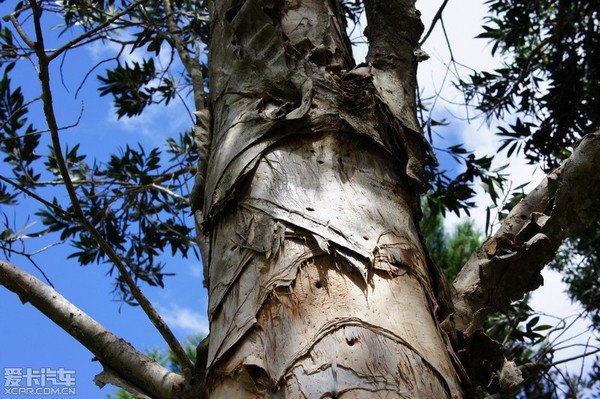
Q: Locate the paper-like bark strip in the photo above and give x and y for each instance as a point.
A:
(311, 204)
(508, 264)
(124, 361)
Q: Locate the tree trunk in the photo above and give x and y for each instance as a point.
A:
(319, 283)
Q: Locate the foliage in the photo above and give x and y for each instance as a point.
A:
(549, 80)
(18, 139)
(454, 192)
(166, 359)
(131, 89)
(449, 251)
(137, 199)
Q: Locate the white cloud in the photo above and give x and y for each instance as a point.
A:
(157, 122)
(100, 50)
(196, 270)
(552, 300)
(184, 319)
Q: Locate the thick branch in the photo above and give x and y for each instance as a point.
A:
(44, 75)
(140, 371)
(393, 31)
(508, 264)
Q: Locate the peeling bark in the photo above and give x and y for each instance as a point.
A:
(319, 285)
(123, 365)
(508, 264)
(393, 30)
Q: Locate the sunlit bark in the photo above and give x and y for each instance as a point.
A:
(319, 285)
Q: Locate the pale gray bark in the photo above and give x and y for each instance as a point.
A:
(124, 365)
(319, 285)
(508, 264)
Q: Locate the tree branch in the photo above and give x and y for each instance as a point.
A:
(508, 264)
(191, 64)
(169, 192)
(434, 21)
(20, 30)
(36, 197)
(142, 372)
(152, 314)
(92, 31)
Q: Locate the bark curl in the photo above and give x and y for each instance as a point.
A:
(508, 264)
(315, 258)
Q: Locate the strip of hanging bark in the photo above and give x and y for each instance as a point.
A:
(315, 257)
(508, 264)
(124, 361)
(202, 138)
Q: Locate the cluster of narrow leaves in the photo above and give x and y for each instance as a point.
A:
(453, 191)
(18, 140)
(549, 79)
(131, 89)
(456, 193)
(137, 199)
(145, 29)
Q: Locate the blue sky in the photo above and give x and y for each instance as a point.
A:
(31, 340)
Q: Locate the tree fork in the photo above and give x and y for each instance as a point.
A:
(319, 285)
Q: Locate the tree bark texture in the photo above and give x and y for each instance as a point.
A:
(508, 264)
(319, 284)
